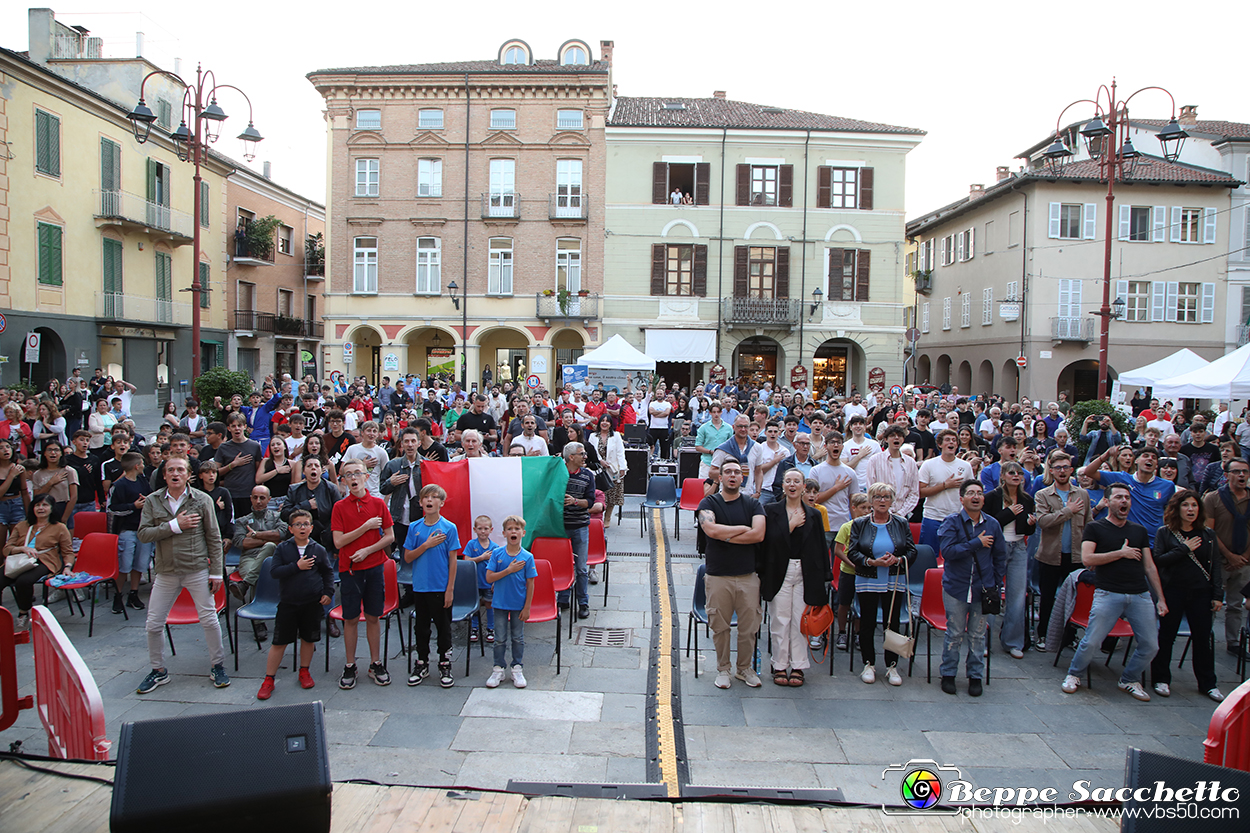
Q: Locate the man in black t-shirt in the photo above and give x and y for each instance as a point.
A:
(733, 524)
(1118, 551)
(314, 418)
(479, 420)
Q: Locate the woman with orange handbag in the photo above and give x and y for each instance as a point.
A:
(794, 570)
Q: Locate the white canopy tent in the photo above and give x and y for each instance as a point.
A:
(1179, 363)
(617, 354)
(1228, 377)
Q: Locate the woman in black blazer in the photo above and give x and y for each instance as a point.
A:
(794, 569)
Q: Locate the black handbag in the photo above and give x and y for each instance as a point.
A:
(603, 480)
(991, 601)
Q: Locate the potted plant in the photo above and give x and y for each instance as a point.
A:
(562, 298)
(315, 254)
(260, 237)
(583, 293)
(547, 293)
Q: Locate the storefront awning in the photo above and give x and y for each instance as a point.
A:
(681, 345)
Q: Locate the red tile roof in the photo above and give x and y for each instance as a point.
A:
(1223, 129)
(631, 111)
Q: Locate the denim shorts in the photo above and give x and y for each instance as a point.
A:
(132, 554)
(11, 511)
(363, 586)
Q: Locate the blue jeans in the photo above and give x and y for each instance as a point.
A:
(1013, 624)
(580, 539)
(1139, 610)
(929, 534)
(508, 623)
(964, 622)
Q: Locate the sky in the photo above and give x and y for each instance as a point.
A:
(984, 79)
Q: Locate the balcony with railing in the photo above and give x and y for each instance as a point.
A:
(121, 307)
(765, 312)
(501, 206)
(249, 253)
(567, 206)
(1243, 334)
(1079, 328)
(252, 321)
(566, 306)
(315, 271)
(131, 212)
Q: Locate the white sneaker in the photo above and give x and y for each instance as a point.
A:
(1070, 684)
(518, 677)
(722, 679)
(1163, 690)
(1216, 695)
(1016, 653)
(892, 676)
(870, 675)
(749, 677)
(495, 678)
(1134, 688)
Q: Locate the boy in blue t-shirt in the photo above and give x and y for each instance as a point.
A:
(512, 571)
(432, 546)
(478, 551)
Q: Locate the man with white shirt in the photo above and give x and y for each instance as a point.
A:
(854, 408)
(940, 479)
(763, 460)
(900, 471)
(992, 425)
(534, 445)
(1162, 421)
(857, 450)
(1221, 419)
(837, 482)
(658, 410)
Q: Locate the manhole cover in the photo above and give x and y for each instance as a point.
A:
(604, 637)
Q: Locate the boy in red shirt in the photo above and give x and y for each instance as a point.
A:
(363, 533)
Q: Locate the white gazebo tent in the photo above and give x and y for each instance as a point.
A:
(1227, 378)
(1179, 363)
(617, 354)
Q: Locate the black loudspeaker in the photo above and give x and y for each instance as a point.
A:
(1162, 777)
(687, 465)
(636, 476)
(259, 769)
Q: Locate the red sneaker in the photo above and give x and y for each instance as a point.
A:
(305, 679)
(266, 689)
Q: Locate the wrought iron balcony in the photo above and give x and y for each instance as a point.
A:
(315, 271)
(569, 307)
(568, 206)
(133, 212)
(247, 253)
(1080, 328)
(1243, 334)
(774, 312)
(501, 206)
(283, 325)
(118, 306)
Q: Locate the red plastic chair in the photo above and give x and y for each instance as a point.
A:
(597, 553)
(390, 609)
(915, 533)
(88, 523)
(558, 552)
(184, 613)
(1080, 618)
(543, 607)
(691, 497)
(933, 616)
(98, 556)
(1228, 734)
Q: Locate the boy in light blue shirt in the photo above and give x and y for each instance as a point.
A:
(478, 551)
(512, 571)
(433, 545)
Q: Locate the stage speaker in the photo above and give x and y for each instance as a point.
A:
(636, 476)
(1161, 776)
(687, 465)
(257, 769)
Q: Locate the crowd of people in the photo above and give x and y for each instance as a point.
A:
(803, 493)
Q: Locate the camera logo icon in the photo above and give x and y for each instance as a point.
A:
(921, 789)
(922, 784)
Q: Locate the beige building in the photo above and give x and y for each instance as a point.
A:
(465, 214)
(1016, 270)
(274, 287)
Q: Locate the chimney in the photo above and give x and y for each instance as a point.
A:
(719, 94)
(267, 167)
(138, 44)
(976, 190)
(1004, 172)
(39, 25)
(1189, 115)
(605, 51)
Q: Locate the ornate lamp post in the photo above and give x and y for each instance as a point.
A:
(192, 145)
(1108, 142)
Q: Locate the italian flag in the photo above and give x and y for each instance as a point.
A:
(532, 487)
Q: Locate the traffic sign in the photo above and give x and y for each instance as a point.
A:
(1023, 361)
(32, 348)
(532, 381)
(348, 350)
(913, 335)
(896, 390)
(3, 323)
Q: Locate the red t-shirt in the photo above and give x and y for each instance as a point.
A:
(348, 514)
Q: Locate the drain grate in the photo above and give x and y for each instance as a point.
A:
(604, 637)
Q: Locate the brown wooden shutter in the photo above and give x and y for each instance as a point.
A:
(861, 275)
(659, 183)
(824, 186)
(785, 186)
(744, 185)
(658, 264)
(699, 276)
(702, 180)
(836, 257)
(865, 189)
(740, 271)
(781, 273)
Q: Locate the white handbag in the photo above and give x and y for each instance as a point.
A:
(895, 642)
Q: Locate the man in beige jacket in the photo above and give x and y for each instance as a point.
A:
(1062, 510)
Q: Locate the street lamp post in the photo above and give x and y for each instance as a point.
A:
(191, 146)
(1108, 142)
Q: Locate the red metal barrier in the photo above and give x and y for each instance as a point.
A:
(70, 706)
(10, 703)
(1228, 735)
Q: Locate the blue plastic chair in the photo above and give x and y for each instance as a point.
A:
(233, 556)
(661, 494)
(262, 607)
(465, 604)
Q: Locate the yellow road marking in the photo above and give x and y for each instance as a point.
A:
(667, 745)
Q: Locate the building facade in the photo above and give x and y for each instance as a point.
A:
(1016, 270)
(765, 240)
(465, 214)
(274, 287)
